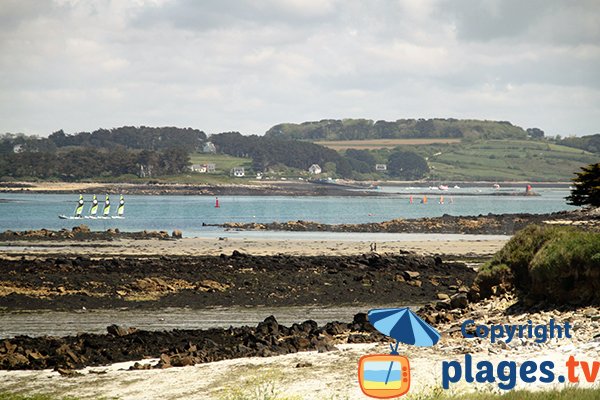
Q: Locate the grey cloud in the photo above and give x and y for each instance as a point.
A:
(245, 65)
(223, 14)
(554, 21)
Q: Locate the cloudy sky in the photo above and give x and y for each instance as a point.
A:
(221, 65)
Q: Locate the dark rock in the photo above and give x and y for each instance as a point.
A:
(459, 300)
(268, 327)
(117, 330)
(303, 365)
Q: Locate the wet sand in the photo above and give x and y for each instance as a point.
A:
(259, 247)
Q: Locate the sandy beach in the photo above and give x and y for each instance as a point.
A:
(205, 246)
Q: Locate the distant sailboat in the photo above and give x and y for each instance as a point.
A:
(106, 209)
(94, 207)
(78, 210)
(121, 208)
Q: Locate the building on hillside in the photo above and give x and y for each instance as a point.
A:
(380, 167)
(238, 172)
(314, 169)
(201, 168)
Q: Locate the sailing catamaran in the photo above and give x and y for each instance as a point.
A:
(78, 210)
(106, 210)
(121, 209)
(94, 209)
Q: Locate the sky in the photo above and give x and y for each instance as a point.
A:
(222, 65)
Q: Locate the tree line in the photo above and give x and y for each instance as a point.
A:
(152, 152)
(129, 137)
(82, 163)
(361, 129)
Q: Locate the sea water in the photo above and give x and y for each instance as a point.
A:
(188, 213)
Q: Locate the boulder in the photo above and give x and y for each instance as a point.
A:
(459, 300)
(81, 229)
(410, 275)
(119, 331)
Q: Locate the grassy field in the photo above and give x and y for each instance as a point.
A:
(374, 144)
(223, 163)
(506, 160)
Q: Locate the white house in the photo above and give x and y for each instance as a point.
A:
(201, 168)
(380, 167)
(209, 147)
(314, 169)
(238, 172)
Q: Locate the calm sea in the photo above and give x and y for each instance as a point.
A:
(187, 213)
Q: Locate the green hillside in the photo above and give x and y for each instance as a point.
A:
(509, 160)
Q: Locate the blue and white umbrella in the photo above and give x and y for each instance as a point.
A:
(403, 325)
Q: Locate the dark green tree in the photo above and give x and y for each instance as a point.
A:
(535, 133)
(586, 190)
(407, 165)
(361, 155)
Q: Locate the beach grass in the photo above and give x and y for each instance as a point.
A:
(565, 394)
(18, 396)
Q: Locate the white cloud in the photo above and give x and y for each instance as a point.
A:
(247, 65)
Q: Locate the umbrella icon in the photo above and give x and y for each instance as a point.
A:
(403, 325)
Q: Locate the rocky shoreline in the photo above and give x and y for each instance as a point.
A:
(70, 283)
(83, 233)
(498, 224)
(179, 348)
(251, 189)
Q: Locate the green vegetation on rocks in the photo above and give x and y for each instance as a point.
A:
(554, 264)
